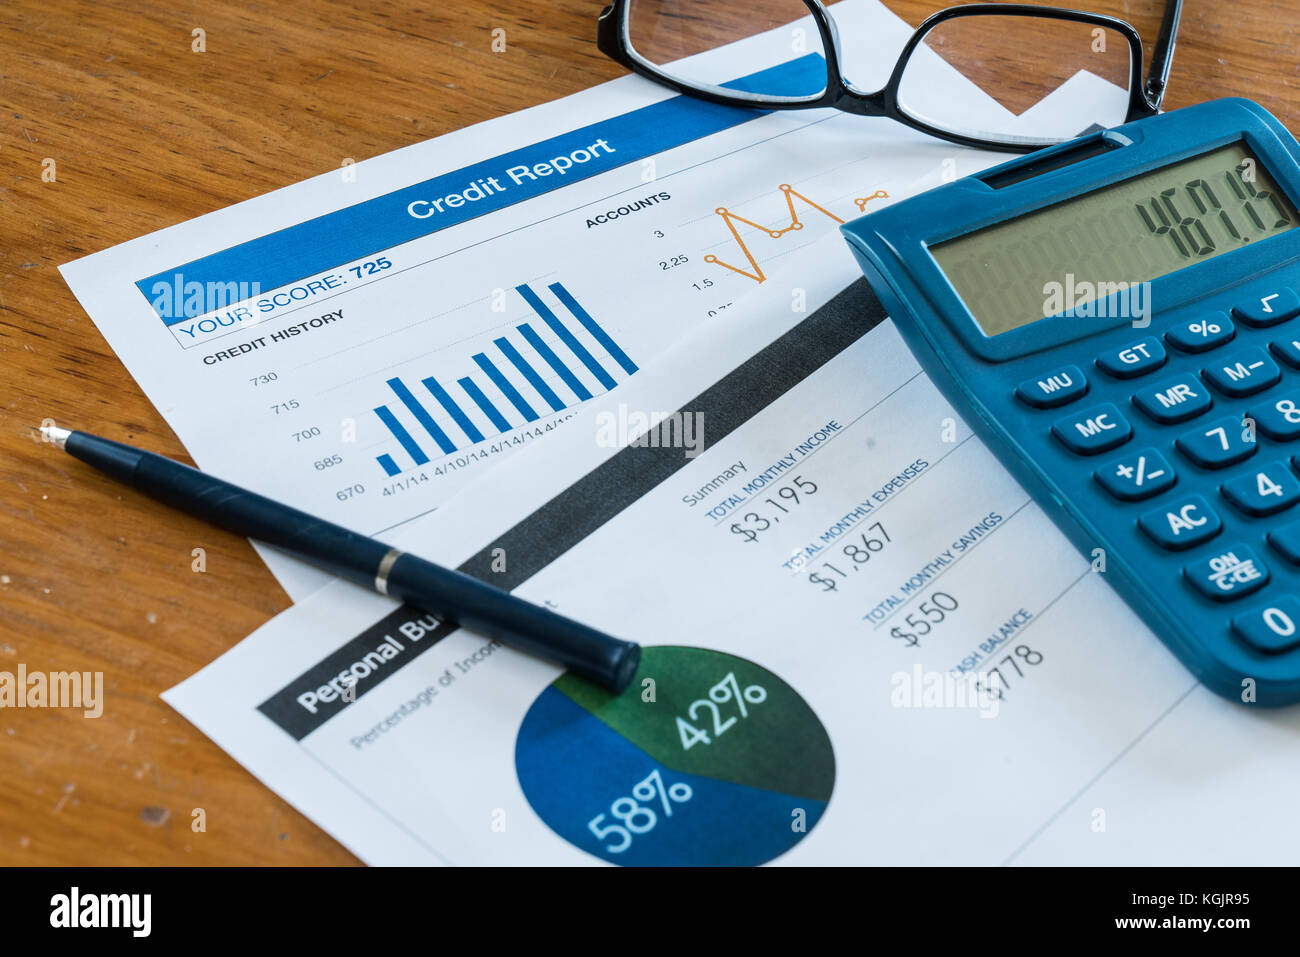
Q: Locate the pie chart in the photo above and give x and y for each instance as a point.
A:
(706, 759)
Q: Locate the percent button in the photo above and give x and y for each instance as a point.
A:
(1202, 333)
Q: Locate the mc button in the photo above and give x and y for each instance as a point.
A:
(1094, 430)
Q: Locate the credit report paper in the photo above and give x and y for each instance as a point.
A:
(365, 343)
(863, 644)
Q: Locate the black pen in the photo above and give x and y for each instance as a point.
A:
(447, 593)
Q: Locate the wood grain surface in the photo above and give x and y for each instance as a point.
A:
(143, 133)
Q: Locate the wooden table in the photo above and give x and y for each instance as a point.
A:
(143, 132)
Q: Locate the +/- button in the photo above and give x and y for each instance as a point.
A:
(1137, 359)
(1175, 400)
(1094, 430)
(1056, 388)
(1137, 475)
(1233, 573)
(1182, 524)
(1274, 306)
(1201, 334)
(1245, 373)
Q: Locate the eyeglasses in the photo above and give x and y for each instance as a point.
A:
(1001, 76)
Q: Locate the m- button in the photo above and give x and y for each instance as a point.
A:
(1094, 430)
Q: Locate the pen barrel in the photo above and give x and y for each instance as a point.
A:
(331, 547)
(447, 593)
(493, 613)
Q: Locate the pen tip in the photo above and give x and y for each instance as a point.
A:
(53, 434)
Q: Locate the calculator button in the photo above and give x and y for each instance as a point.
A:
(1273, 628)
(1232, 573)
(1279, 418)
(1288, 350)
(1286, 542)
(1056, 388)
(1217, 443)
(1245, 373)
(1263, 492)
(1202, 334)
(1094, 430)
(1182, 524)
(1175, 400)
(1133, 360)
(1137, 475)
(1275, 306)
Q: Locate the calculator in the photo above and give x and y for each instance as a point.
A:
(1118, 318)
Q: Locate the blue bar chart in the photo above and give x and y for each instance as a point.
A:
(492, 395)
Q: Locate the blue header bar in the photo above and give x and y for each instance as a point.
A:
(343, 236)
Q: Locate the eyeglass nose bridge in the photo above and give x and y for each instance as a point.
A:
(840, 93)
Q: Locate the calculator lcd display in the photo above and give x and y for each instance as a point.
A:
(1069, 257)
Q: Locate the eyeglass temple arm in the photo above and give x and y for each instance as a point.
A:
(1162, 56)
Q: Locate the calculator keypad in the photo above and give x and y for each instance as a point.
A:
(1243, 373)
(1231, 515)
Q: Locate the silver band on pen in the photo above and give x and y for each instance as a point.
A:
(385, 566)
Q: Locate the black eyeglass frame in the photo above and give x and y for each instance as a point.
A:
(613, 39)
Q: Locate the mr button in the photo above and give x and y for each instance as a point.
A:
(1094, 430)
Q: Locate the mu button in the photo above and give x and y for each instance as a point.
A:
(1094, 430)
(1055, 388)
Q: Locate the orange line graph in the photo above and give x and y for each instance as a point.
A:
(791, 195)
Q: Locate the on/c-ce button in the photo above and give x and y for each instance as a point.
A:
(1093, 430)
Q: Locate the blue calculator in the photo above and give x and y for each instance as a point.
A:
(1118, 318)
